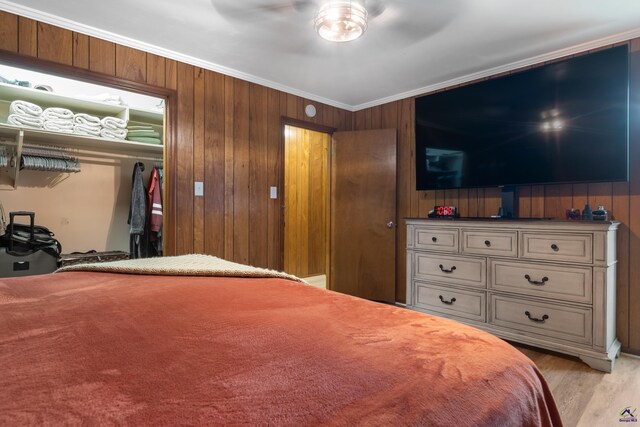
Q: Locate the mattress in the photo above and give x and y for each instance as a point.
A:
(102, 348)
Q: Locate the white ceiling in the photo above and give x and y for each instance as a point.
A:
(411, 47)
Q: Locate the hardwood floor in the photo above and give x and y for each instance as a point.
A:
(586, 397)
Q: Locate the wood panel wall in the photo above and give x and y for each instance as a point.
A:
(538, 201)
(306, 173)
(228, 135)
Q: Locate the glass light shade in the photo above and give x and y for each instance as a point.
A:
(341, 21)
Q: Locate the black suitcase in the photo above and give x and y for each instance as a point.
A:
(23, 252)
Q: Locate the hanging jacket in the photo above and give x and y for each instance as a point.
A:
(137, 212)
(155, 205)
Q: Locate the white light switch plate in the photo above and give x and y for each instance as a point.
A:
(273, 192)
(199, 188)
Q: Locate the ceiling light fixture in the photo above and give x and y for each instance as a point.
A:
(341, 21)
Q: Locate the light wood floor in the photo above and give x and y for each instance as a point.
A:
(586, 397)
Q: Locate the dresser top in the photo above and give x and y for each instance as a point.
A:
(528, 223)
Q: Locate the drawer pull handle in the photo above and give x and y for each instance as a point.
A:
(535, 282)
(487, 243)
(447, 302)
(434, 239)
(555, 247)
(444, 270)
(533, 319)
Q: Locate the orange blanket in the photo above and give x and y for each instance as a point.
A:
(104, 349)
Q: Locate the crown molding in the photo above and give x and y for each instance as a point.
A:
(156, 50)
(595, 44)
(170, 54)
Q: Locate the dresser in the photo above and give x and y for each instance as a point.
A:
(550, 284)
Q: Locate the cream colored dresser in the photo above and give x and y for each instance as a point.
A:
(550, 284)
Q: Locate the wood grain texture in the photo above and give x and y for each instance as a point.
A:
(55, 44)
(81, 51)
(8, 31)
(27, 36)
(241, 174)
(171, 74)
(199, 109)
(214, 150)
(229, 154)
(155, 70)
(102, 56)
(258, 176)
(275, 168)
(131, 64)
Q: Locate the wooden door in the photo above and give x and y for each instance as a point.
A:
(363, 214)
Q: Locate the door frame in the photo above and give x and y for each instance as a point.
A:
(289, 121)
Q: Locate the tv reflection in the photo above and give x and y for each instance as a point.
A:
(445, 167)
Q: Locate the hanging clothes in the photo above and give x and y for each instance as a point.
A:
(137, 214)
(155, 212)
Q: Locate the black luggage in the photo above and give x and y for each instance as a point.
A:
(26, 250)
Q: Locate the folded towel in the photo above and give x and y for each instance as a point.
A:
(59, 125)
(103, 97)
(55, 113)
(28, 121)
(86, 119)
(113, 123)
(25, 108)
(113, 134)
(87, 130)
(140, 127)
(147, 133)
(145, 140)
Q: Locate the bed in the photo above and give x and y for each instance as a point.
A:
(114, 348)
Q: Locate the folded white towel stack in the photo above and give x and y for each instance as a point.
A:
(113, 123)
(59, 125)
(113, 134)
(25, 108)
(55, 113)
(86, 130)
(25, 120)
(86, 119)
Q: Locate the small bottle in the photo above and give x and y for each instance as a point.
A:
(601, 214)
(587, 213)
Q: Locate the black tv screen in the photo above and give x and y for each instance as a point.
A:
(562, 122)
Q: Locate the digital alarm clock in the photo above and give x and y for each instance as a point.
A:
(443, 211)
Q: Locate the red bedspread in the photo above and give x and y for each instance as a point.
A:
(101, 349)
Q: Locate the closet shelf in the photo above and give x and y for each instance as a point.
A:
(78, 141)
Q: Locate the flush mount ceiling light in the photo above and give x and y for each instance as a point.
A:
(341, 20)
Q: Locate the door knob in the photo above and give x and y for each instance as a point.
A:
(390, 224)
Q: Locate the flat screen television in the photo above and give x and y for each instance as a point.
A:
(563, 122)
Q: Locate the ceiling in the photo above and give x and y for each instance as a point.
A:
(410, 47)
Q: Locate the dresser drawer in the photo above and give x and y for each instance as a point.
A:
(557, 247)
(438, 239)
(490, 242)
(542, 280)
(542, 318)
(457, 270)
(446, 300)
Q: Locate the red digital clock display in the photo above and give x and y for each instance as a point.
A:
(443, 211)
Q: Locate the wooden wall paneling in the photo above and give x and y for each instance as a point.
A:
(291, 208)
(452, 197)
(389, 116)
(634, 198)
(473, 203)
(55, 44)
(368, 120)
(81, 51)
(537, 201)
(214, 164)
(27, 36)
(241, 173)
(404, 193)
(463, 202)
(131, 64)
(258, 178)
(198, 157)
(359, 120)
(275, 165)
(155, 70)
(8, 31)
(580, 196)
(439, 199)
(558, 198)
(523, 194)
(229, 149)
(492, 200)
(102, 56)
(171, 74)
(620, 210)
(376, 117)
(184, 196)
(294, 107)
(481, 202)
(600, 193)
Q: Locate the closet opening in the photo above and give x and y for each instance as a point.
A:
(71, 160)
